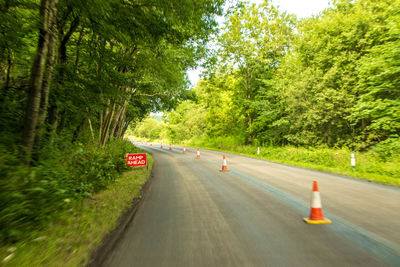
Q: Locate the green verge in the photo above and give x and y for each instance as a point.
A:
(69, 240)
(369, 166)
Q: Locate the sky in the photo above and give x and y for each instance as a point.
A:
(301, 8)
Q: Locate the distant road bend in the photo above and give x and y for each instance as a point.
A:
(196, 215)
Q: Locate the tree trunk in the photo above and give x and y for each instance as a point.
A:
(62, 58)
(9, 62)
(78, 130)
(114, 123)
(3, 92)
(53, 118)
(121, 126)
(118, 117)
(107, 125)
(100, 125)
(62, 118)
(48, 74)
(91, 128)
(103, 120)
(126, 125)
(65, 38)
(77, 49)
(33, 103)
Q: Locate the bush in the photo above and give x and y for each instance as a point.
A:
(381, 163)
(387, 149)
(226, 142)
(31, 196)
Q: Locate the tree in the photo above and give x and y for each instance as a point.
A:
(252, 44)
(377, 105)
(333, 81)
(98, 65)
(320, 76)
(37, 88)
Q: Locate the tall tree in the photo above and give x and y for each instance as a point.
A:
(98, 64)
(48, 16)
(254, 40)
(320, 76)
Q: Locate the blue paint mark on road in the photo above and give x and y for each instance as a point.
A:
(381, 248)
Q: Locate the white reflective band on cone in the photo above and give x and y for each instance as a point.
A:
(316, 200)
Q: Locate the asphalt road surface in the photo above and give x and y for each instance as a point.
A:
(196, 215)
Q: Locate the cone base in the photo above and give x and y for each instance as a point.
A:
(325, 221)
(224, 169)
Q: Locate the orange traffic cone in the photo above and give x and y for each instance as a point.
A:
(184, 150)
(316, 215)
(151, 144)
(170, 148)
(161, 146)
(224, 165)
(198, 153)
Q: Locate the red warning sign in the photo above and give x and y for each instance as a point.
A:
(136, 159)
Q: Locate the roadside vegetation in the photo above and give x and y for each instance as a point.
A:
(34, 195)
(73, 76)
(373, 165)
(308, 91)
(71, 237)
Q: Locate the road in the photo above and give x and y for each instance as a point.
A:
(195, 215)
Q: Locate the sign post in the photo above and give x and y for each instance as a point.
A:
(134, 160)
(353, 160)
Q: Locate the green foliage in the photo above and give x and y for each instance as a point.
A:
(94, 169)
(375, 165)
(31, 196)
(378, 105)
(330, 80)
(222, 115)
(306, 96)
(185, 122)
(253, 43)
(149, 128)
(112, 63)
(221, 142)
(77, 232)
(388, 149)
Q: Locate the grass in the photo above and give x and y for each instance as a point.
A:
(369, 165)
(70, 239)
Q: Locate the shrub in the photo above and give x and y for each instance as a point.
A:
(31, 196)
(387, 149)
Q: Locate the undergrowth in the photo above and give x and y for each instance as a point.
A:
(30, 196)
(380, 163)
(71, 237)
